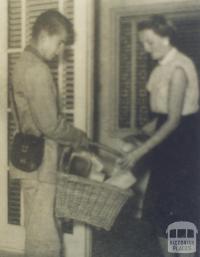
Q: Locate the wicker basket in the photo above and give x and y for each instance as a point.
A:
(89, 201)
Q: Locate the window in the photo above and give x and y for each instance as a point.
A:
(133, 67)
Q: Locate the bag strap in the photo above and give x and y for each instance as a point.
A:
(16, 113)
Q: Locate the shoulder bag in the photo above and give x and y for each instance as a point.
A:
(27, 150)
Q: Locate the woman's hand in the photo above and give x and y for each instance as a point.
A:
(129, 160)
(129, 147)
(149, 128)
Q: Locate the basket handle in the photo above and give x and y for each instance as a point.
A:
(106, 149)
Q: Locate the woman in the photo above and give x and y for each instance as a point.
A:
(174, 97)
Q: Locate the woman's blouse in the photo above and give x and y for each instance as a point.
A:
(160, 80)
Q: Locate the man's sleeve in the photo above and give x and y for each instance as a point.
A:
(44, 109)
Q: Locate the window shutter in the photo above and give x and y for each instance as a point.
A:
(14, 24)
(142, 100)
(67, 88)
(125, 74)
(134, 66)
(69, 9)
(14, 202)
(14, 42)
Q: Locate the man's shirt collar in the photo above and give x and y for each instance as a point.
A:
(34, 51)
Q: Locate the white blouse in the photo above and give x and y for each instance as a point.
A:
(159, 83)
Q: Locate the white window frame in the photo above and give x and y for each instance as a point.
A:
(80, 243)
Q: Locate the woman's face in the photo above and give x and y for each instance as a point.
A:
(154, 44)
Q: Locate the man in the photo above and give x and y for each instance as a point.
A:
(36, 100)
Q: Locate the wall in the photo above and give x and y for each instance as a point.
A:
(105, 83)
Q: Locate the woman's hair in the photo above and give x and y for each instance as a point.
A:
(160, 25)
(53, 22)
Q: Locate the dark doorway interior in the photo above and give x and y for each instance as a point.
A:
(188, 38)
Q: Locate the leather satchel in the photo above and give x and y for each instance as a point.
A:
(27, 152)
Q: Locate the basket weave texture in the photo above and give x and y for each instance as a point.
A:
(89, 201)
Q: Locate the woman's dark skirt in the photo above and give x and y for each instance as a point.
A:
(173, 192)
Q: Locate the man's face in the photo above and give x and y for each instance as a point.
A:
(52, 45)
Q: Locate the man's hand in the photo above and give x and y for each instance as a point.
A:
(83, 142)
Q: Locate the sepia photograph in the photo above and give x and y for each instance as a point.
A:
(99, 128)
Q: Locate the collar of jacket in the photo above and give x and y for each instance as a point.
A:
(34, 51)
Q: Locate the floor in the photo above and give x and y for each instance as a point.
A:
(126, 239)
(137, 240)
(129, 237)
